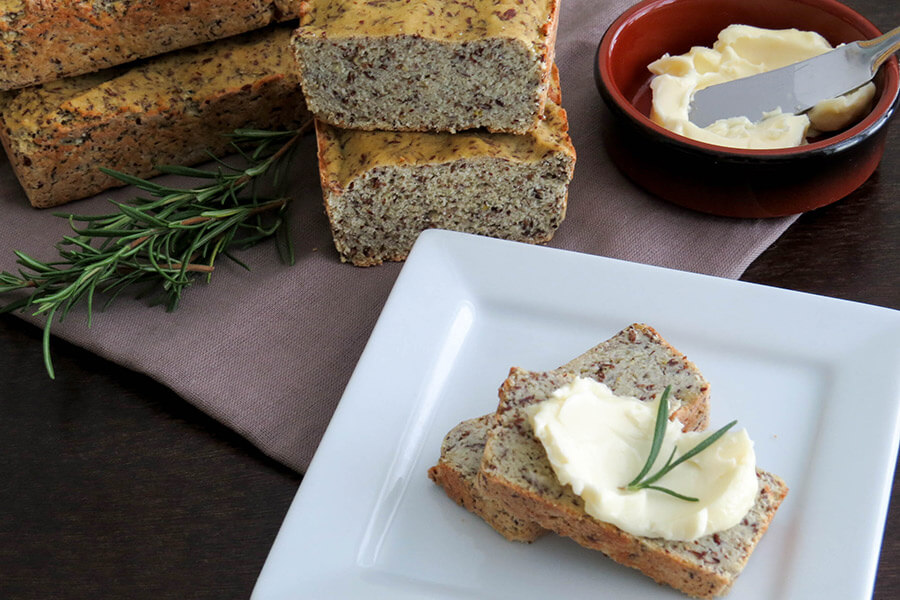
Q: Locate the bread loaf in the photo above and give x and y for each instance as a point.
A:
(428, 65)
(516, 474)
(41, 41)
(382, 189)
(172, 109)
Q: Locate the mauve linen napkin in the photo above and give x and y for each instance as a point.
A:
(268, 352)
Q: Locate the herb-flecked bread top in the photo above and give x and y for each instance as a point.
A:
(450, 20)
(43, 40)
(52, 109)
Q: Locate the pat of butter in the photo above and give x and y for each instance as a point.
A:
(597, 443)
(741, 51)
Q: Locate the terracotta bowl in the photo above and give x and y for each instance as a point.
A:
(715, 179)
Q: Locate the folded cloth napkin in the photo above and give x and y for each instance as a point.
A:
(268, 352)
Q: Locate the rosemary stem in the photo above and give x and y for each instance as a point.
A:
(163, 239)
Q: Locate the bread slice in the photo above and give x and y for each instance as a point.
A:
(172, 109)
(639, 362)
(42, 41)
(463, 447)
(455, 471)
(516, 473)
(382, 188)
(427, 65)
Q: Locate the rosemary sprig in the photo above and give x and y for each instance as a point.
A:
(163, 241)
(659, 432)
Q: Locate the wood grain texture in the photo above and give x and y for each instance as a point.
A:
(112, 486)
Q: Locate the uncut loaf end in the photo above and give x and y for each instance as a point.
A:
(41, 41)
(381, 188)
(172, 109)
(428, 65)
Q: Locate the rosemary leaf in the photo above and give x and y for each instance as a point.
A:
(659, 432)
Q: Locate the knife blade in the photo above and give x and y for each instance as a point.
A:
(797, 87)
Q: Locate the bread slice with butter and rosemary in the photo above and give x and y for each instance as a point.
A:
(455, 471)
(462, 448)
(516, 473)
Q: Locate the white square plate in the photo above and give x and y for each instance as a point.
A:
(816, 381)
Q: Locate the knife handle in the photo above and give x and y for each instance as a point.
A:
(879, 49)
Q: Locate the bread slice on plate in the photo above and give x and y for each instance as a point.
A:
(516, 473)
(463, 447)
(460, 459)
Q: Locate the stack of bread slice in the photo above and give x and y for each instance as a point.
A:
(495, 467)
(134, 84)
(435, 114)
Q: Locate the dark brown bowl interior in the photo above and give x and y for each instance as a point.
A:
(732, 182)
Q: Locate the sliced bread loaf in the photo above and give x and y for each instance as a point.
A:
(428, 65)
(172, 109)
(516, 473)
(455, 471)
(383, 188)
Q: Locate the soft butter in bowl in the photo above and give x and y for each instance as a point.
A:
(656, 54)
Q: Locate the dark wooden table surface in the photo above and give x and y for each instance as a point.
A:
(112, 486)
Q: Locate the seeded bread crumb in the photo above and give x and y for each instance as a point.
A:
(382, 188)
(460, 459)
(428, 65)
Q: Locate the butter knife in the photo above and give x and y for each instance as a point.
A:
(797, 87)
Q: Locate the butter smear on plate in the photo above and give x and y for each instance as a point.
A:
(597, 442)
(741, 51)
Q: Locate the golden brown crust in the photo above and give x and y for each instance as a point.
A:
(58, 135)
(671, 563)
(550, 77)
(43, 41)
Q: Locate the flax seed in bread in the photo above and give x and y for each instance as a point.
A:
(455, 471)
(429, 65)
(516, 473)
(171, 109)
(41, 41)
(382, 189)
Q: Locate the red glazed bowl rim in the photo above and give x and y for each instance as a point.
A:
(877, 117)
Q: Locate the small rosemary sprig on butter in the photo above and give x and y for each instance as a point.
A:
(659, 432)
(163, 241)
